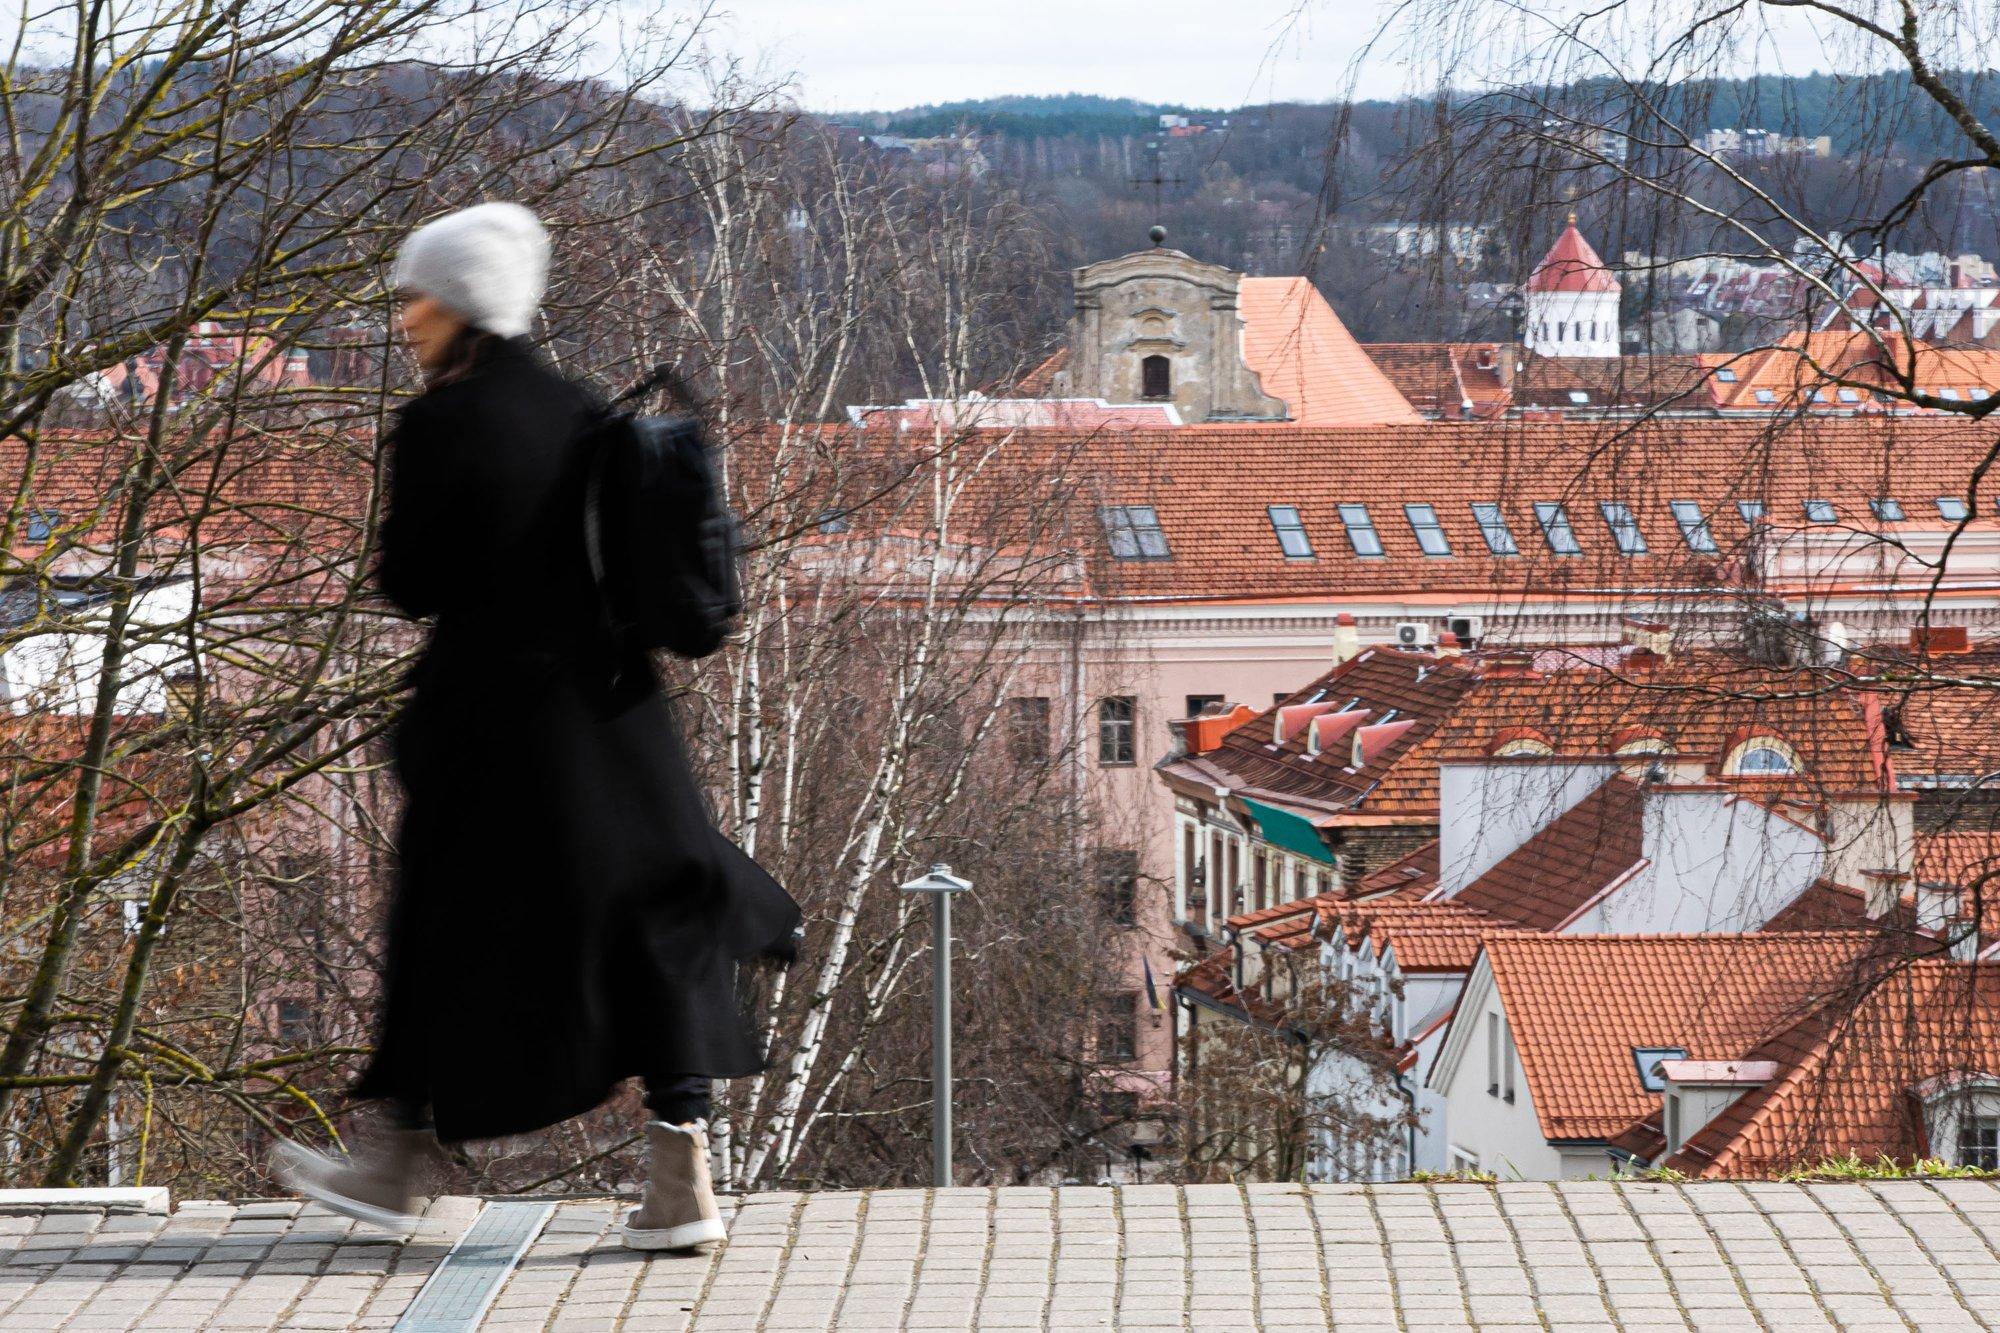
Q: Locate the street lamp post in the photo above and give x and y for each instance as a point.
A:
(941, 884)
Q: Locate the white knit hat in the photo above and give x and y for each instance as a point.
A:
(487, 265)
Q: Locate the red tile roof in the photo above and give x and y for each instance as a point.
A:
(1302, 353)
(1412, 876)
(1565, 867)
(1579, 1004)
(1399, 778)
(1853, 1074)
(1571, 266)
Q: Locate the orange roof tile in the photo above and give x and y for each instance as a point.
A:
(1554, 875)
(1579, 1004)
(1571, 265)
(1302, 353)
(1853, 1074)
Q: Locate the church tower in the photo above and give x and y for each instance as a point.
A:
(1572, 301)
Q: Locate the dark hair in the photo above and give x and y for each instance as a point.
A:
(468, 347)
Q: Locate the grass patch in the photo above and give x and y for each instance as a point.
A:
(1851, 1167)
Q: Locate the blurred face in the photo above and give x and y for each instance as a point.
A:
(428, 326)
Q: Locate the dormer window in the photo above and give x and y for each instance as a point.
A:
(1360, 529)
(1291, 532)
(1430, 533)
(1624, 528)
(1694, 528)
(1761, 757)
(1134, 532)
(1156, 377)
(1962, 1118)
(1493, 527)
(1555, 527)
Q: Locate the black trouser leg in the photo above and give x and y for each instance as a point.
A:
(678, 1099)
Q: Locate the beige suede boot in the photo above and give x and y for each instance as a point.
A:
(678, 1211)
(375, 1183)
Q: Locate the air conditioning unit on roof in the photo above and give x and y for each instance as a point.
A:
(1415, 634)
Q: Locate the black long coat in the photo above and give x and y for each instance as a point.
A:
(565, 914)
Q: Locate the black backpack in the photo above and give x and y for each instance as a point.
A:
(664, 548)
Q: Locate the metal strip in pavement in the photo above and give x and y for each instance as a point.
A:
(460, 1289)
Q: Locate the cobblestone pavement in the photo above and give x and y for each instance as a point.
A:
(1572, 1256)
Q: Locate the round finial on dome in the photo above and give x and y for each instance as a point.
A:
(1158, 235)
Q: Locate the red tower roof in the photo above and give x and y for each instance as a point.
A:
(1571, 266)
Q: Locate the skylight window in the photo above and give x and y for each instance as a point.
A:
(1726, 375)
(1579, 397)
(1134, 532)
(1950, 394)
(1292, 539)
(1751, 512)
(1887, 509)
(1624, 528)
(1694, 528)
(1648, 1059)
(1493, 527)
(1430, 533)
(1951, 508)
(1361, 530)
(1849, 395)
(1555, 527)
(1766, 396)
(1821, 511)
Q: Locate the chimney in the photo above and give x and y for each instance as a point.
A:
(1448, 646)
(1937, 907)
(1652, 636)
(1346, 639)
(1204, 733)
(1940, 640)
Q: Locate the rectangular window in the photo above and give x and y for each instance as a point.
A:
(1506, 1061)
(1555, 527)
(1197, 704)
(1493, 527)
(1949, 395)
(1887, 509)
(1821, 511)
(1951, 508)
(1624, 528)
(295, 1025)
(41, 524)
(1726, 375)
(1360, 529)
(1848, 395)
(832, 522)
(1430, 533)
(1671, 1119)
(1751, 511)
(1578, 397)
(1260, 867)
(1766, 396)
(1116, 741)
(1134, 532)
(1979, 1142)
(1028, 729)
(1463, 1162)
(1291, 531)
(1118, 1028)
(1118, 886)
(1493, 1055)
(1694, 528)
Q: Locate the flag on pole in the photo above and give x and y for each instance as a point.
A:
(1152, 991)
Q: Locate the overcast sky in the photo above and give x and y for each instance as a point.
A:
(887, 54)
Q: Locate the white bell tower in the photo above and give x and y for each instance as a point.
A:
(1572, 301)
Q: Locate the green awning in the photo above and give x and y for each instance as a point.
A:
(1282, 828)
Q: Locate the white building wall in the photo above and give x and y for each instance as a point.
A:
(1499, 804)
(1572, 323)
(58, 673)
(1713, 862)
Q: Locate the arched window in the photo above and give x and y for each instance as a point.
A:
(1762, 757)
(1156, 377)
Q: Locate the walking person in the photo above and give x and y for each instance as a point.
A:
(565, 914)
